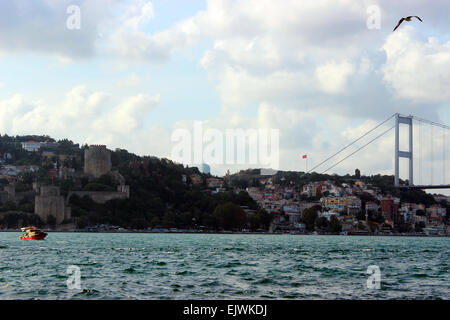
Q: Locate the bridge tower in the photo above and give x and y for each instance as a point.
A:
(403, 154)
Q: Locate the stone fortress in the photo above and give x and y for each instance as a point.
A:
(49, 202)
(97, 162)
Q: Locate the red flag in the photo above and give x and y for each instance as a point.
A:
(304, 156)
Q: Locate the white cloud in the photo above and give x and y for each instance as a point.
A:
(416, 69)
(128, 116)
(295, 62)
(83, 116)
(333, 77)
(287, 65)
(138, 13)
(40, 27)
(130, 80)
(238, 88)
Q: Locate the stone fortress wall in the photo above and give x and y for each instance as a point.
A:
(97, 160)
(123, 192)
(50, 202)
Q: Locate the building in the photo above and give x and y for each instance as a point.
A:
(253, 192)
(341, 204)
(435, 215)
(48, 154)
(123, 192)
(8, 193)
(31, 146)
(309, 190)
(49, 145)
(389, 207)
(97, 161)
(50, 203)
(293, 212)
(328, 214)
(371, 207)
(196, 179)
(205, 169)
(35, 146)
(214, 183)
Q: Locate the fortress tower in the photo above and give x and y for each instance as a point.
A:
(50, 203)
(97, 160)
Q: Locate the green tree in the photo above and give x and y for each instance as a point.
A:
(230, 216)
(309, 217)
(8, 206)
(170, 219)
(321, 223)
(334, 225)
(82, 222)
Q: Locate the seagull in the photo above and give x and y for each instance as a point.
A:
(405, 19)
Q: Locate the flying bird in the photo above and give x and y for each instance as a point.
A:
(405, 19)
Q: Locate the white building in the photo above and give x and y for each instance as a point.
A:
(328, 214)
(31, 146)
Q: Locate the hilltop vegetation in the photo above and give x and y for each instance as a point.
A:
(162, 193)
(159, 197)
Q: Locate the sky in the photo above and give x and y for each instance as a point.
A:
(320, 72)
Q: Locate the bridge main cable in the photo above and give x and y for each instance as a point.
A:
(350, 144)
(432, 123)
(382, 134)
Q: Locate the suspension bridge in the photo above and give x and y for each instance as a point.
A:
(426, 150)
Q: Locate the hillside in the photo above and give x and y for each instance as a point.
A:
(163, 193)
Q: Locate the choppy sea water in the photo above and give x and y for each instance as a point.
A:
(219, 266)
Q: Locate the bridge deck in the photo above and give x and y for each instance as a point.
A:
(442, 186)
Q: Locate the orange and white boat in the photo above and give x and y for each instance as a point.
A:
(32, 233)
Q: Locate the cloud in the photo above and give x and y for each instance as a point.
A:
(311, 69)
(238, 88)
(129, 115)
(416, 69)
(130, 80)
(84, 116)
(137, 14)
(333, 77)
(40, 27)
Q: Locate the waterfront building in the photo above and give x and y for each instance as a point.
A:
(328, 214)
(389, 207)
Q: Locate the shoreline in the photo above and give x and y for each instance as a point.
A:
(232, 233)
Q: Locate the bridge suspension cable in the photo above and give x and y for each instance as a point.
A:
(432, 152)
(429, 139)
(432, 123)
(362, 147)
(420, 152)
(350, 144)
(444, 156)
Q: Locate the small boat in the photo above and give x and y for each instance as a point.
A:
(32, 233)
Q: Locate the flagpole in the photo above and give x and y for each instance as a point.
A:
(306, 162)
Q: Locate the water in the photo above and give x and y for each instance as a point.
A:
(206, 266)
